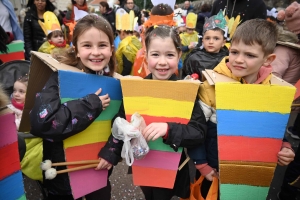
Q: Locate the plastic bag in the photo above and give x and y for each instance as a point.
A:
(135, 145)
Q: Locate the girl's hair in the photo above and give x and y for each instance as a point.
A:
(74, 2)
(84, 24)
(105, 5)
(23, 79)
(161, 9)
(55, 33)
(163, 32)
(49, 6)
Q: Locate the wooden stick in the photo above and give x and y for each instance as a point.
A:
(184, 163)
(296, 105)
(77, 168)
(82, 162)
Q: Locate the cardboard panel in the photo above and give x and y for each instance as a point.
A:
(8, 133)
(12, 56)
(15, 46)
(12, 187)
(9, 158)
(158, 101)
(238, 192)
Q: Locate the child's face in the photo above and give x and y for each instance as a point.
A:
(162, 57)
(246, 60)
(19, 92)
(213, 41)
(181, 29)
(57, 39)
(94, 49)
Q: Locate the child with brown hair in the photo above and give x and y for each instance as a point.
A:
(92, 52)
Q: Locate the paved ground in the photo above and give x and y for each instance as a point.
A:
(123, 189)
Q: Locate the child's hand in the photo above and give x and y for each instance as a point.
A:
(104, 99)
(103, 164)
(212, 174)
(155, 130)
(285, 156)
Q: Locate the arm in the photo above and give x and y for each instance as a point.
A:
(127, 66)
(185, 48)
(111, 152)
(27, 35)
(281, 62)
(52, 120)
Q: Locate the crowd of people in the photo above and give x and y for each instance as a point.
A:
(237, 39)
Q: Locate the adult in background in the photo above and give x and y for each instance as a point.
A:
(9, 21)
(204, 12)
(34, 35)
(188, 7)
(129, 5)
(247, 9)
(108, 13)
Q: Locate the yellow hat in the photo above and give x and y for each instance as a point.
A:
(191, 20)
(124, 21)
(50, 23)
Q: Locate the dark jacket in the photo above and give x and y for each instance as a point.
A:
(48, 109)
(246, 9)
(200, 21)
(110, 16)
(137, 13)
(199, 60)
(34, 35)
(179, 135)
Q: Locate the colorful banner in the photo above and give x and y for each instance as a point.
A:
(11, 180)
(251, 125)
(158, 101)
(87, 144)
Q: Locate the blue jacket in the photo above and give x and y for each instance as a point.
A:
(18, 34)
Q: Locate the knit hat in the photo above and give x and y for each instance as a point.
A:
(292, 17)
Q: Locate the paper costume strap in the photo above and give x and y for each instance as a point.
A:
(125, 21)
(216, 21)
(191, 20)
(160, 20)
(50, 23)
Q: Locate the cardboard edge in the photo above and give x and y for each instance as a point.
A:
(213, 77)
(278, 81)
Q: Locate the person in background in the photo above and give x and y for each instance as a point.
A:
(108, 13)
(9, 21)
(188, 7)
(129, 5)
(204, 13)
(34, 35)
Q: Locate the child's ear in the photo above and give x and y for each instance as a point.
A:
(269, 59)
(224, 42)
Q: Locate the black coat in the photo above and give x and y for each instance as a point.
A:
(199, 60)
(179, 135)
(247, 9)
(34, 35)
(137, 13)
(47, 109)
(110, 16)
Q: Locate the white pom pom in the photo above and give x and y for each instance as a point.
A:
(46, 164)
(50, 173)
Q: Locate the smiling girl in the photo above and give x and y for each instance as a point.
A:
(92, 52)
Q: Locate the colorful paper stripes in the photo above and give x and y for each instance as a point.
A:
(254, 97)
(12, 187)
(12, 56)
(158, 101)
(15, 46)
(239, 192)
(251, 124)
(238, 148)
(11, 180)
(87, 144)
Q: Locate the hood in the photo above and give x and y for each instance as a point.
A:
(286, 36)
(265, 72)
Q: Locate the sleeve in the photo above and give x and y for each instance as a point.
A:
(127, 66)
(214, 10)
(281, 62)
(192, 65)
(55, 121)
(111, 152)
(27, 30)
(188, 135)
(185, 48)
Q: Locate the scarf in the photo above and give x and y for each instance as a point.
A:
(63, 45)
(17, 105)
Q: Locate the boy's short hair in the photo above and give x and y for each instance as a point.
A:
(216, 29)
(259, 31)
